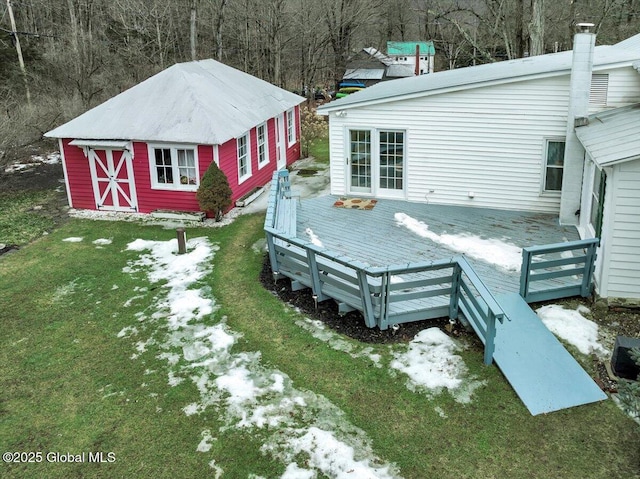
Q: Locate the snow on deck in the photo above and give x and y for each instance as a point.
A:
(398, 232)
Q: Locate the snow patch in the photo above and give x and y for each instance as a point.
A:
(432, 365)
(319, 331)
(504, 255)
(73, 239)
(102, 241)
(313, 237)
(572, 327)
(206, 442)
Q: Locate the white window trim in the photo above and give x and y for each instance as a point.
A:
(262, 164)
(543, 175)
(242, 179)
(291, 127)
(155, 185)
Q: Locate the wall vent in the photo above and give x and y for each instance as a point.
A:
(599, 89)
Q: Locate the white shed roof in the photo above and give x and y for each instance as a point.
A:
(612, 136)
(552, 64)
(202, 102)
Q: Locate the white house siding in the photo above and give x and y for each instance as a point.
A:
(624, 87)
(621, 266)
(487, 140)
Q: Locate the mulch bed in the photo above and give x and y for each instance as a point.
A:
(350, 324)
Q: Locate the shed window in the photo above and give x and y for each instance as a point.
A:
(173, 168)
(554, 165)
(291, 127)
(244, 158)
(263, 151)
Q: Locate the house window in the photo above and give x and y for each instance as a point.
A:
(263, 151)
(597, 200)
(554, 165)
(173, 168)
(391, 159)
(291, 127)
(244, 158)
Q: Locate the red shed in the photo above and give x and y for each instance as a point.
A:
(147, 148)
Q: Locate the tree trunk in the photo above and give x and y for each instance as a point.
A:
(536, 27)
(192, 30)
(218, 30)
(19, 51)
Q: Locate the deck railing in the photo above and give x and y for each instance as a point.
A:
(541, 265)
(385, 296)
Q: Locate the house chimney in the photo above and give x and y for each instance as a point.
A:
(579, 89)
(417, 59)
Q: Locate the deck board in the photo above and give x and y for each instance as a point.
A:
(372, 236)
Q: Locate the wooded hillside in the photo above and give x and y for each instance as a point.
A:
(77, 53)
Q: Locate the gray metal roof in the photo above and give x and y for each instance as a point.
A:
(612, 136)
(363, 74)
(203, 102)
(400, 71)
(470, 77)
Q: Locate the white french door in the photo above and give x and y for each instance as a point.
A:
(376, 163)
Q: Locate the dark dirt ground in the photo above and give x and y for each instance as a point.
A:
(614, 320)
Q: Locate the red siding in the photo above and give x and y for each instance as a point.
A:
(81, 188)
(78, 176)
(154, 199)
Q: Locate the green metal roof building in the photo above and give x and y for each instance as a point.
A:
(409, 48)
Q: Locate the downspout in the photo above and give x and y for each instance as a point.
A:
(417, 69)
(579, 90)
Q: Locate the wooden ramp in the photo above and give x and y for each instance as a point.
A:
(541, 371)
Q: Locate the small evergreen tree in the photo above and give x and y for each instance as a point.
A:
(630, 390)
(214, 193)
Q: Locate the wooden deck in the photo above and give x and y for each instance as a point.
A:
(373, 237)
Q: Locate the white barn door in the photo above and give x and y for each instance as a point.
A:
(112, 178)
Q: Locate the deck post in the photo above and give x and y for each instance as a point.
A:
(489, 340)
(316, 284)
(273, 257)
(525, 270)
(367, 304)
(455, 291)
(589, 266)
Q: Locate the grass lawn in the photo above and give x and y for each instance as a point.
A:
(319, 149)
(70, 384)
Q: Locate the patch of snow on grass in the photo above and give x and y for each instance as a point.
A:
(431, 364)
(127, 331)
(217, 469)
(102, 241)
(333, 457)
(294, 471)
(246, 393)
(65, 290)
(313, 237)
(572, 327)
(206, 442)
(73, 239)
(319, 331)
(504, 255)
(440, 412)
